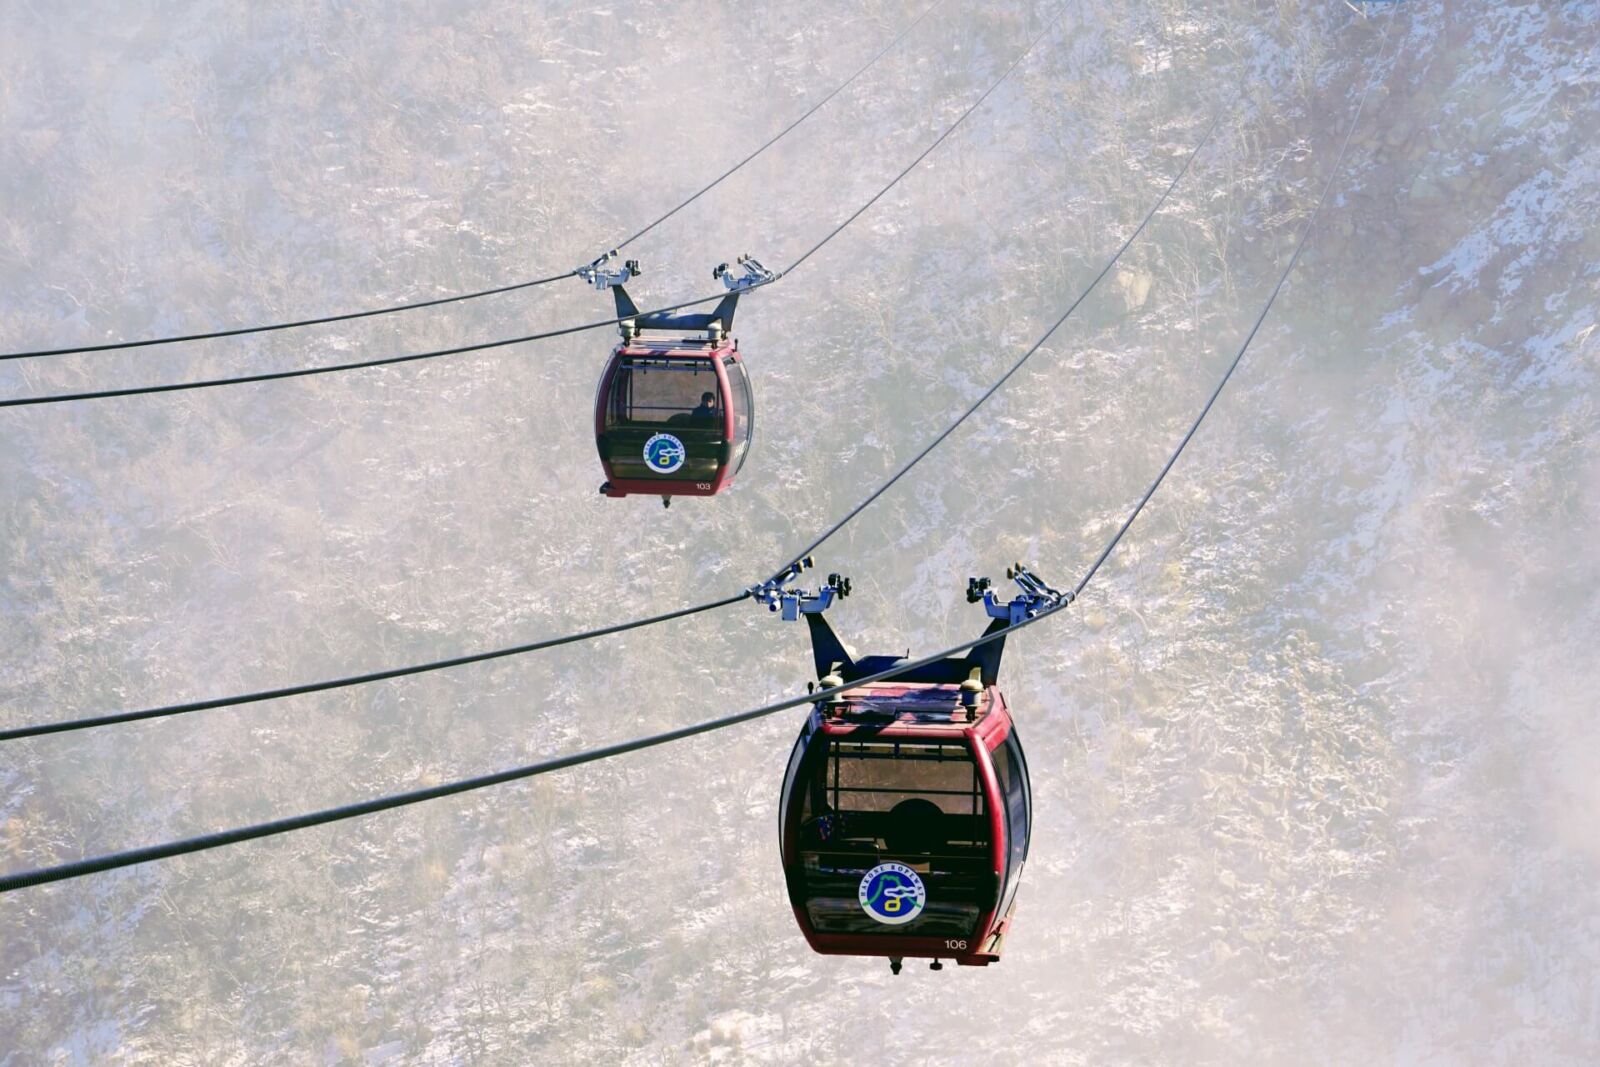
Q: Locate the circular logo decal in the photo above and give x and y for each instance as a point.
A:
(892, 894)
(664, 453)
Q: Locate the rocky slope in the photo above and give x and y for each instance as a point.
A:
(1313, 760)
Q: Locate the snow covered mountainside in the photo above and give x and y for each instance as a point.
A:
(1316, 759)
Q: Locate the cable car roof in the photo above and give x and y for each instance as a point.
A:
(909, 704)
(674, 347)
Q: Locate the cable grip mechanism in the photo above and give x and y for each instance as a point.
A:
(598, 276)
(794, 602)
(1036, 596)
(754, 274)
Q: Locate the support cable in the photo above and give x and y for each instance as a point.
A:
(781, 134)
(332, 368)
(72, 725)
(302, 372)
(976, 404)
(240, 331)
(637, 744)
(274, 827)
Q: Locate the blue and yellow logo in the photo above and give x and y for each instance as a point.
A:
(664, 453)
(892, 893)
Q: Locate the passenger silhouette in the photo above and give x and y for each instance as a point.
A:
(706, 413)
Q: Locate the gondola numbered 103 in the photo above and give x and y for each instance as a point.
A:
(905, 811)
(674, 413)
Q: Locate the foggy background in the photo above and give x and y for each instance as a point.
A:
(1314, 759)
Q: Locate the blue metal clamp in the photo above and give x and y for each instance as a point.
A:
(1036, 596)
(795, 602)
(598, 276)
(754, 274)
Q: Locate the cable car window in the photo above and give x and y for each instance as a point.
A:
(665, 392)
(882, 777)
(741, 403)
(795, 756)
(1005, 775)
(1019, 798)
(1012, 771)
(916, 802)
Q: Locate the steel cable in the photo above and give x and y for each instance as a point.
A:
(274, 827)
(113, 718)
(461, 297)
(303, 372)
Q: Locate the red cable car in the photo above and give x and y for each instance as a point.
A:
(674, 412)
(905, 810)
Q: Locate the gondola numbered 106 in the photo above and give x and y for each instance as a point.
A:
(905, 810)
(674, 413)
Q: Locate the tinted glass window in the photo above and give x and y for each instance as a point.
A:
(742, 403)
(876, 777)
(1012, 771)
(663, 392)
(1006, 774)
(1019, 799)
(789, 774)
